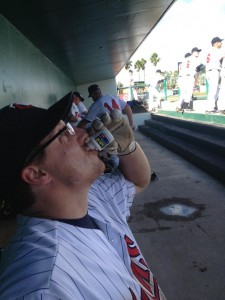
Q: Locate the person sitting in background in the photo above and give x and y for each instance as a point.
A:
(72, 240)
(104, 103)
(79, 103)
(78, 109)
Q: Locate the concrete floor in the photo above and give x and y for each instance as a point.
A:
(185, 253)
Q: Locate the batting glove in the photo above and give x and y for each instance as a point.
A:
(123, 143)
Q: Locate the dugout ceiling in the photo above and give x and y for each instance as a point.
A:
(88, 40)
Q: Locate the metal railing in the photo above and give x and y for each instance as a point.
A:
(139, 92)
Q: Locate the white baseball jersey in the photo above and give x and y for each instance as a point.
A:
(48, 259)
(213, 67)
(104, 104)
(74, 111)
(221, 98)
(213, 59)
(222, 72)
(187, 79)
(193, 63)
(154, 82)
(154, 91)
(185, 66)
(82, 108)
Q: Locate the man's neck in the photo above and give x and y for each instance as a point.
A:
(60, 205)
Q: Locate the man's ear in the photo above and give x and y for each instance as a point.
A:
(35, 176)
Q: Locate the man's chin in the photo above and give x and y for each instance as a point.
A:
(101, 167)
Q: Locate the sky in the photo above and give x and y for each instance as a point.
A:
(187, 24)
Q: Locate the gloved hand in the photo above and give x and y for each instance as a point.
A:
(200, 68)
(122, 133)
(123, 143)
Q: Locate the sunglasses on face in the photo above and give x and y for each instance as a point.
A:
(67, 127)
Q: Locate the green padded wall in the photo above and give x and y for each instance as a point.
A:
(26, 75)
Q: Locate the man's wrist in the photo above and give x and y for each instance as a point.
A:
(130, 149)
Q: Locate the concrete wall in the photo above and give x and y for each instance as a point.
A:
(26, 75)
(107, 87)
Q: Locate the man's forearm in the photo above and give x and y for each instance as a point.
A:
(136, 168)
(129, 113)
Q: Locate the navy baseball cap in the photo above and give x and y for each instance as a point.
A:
(78, 95)
(195, 49)
(93, 88)
(22, 127)
(216, 40)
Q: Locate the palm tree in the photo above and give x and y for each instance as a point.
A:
(140, 65)
(171, 79)
(120, 87)
(137, 67)
(154, 59)
(128, 65)
(143, 63)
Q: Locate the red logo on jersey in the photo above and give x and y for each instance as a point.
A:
(114, 105)
(188, 64)
(141, 271)
(208, 58)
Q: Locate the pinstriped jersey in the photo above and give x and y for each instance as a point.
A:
(49, 259)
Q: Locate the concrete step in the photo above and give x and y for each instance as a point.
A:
(211, 142)
(212, 162)
(207, 127)
(210, 118)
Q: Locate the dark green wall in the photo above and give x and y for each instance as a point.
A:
(26, 75)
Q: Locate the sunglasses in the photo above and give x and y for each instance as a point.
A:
(67, 127)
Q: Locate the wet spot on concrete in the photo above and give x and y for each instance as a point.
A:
(136, 217)
(174, 209)
(203, 269)
(177, 209)
(198, 181)
(200, 267)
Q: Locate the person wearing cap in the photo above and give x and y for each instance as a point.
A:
(78, 109)
(189, 79)
(213, 67)
(104, 103)
(221, 96)
(72, 240)
(154, 89)
(79, 101)
(183, 67)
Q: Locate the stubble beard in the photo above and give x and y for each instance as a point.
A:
(73, 176)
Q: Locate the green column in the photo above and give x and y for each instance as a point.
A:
(207, 86)
(131, 93)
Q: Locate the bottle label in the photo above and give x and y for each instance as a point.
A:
(102, 139)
